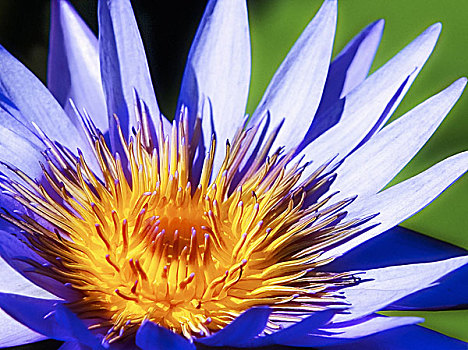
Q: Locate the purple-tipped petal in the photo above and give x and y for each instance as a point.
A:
(295, 91)
(28, 100)
(241, 330)
(365, 109)
(381, 287)
(73, 66)
(400, 201)
(124, 68)
(385, 154)
(151, 336)
(348, 70)
(218, 68)
(405, 338)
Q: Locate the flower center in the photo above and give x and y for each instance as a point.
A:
(143, 244)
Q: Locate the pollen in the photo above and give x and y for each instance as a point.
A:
(135, 240)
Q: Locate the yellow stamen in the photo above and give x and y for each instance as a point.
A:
(151, 247)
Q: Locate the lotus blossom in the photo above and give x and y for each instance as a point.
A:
(123, 230)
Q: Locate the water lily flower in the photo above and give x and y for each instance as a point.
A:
(122, 230)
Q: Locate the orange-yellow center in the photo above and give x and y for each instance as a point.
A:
(146, 245)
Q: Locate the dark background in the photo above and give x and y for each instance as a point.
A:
(168, 27)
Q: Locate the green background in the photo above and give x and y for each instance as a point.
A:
(275, 24)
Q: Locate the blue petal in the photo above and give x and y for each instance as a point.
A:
(348, 332)
(405, 338)
(218, 68)
(288, 335)
(14, 333)
(295, 91)
(394, 146)
(25, 281)
(400, 201)
(240, 331)
(73, 345)
(76, 328)
(73, 66)
(19, 146)
(124, 68)
(48, 317)
(348, 70)
(35, 313)
(397, 246)
(446, 294)
(28, 100)
(151, 336)
(381, 287)
(351, 66)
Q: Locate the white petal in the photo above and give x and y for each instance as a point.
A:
(296, 89)
(381, 287)
(12, 332)
(218, 68)
(370, 325)
(29, 101)
(14, 282)
(73, 70)
(400, 201)
(363, 57)
(363, 108)
(372, 166)
(124, 67)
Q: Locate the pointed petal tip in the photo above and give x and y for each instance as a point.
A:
(455, 88)
(379, 24)
(62, 7)
(430, 36)
(462, 81)
(435, 29)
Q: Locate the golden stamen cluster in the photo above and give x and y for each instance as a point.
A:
(137, 242)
